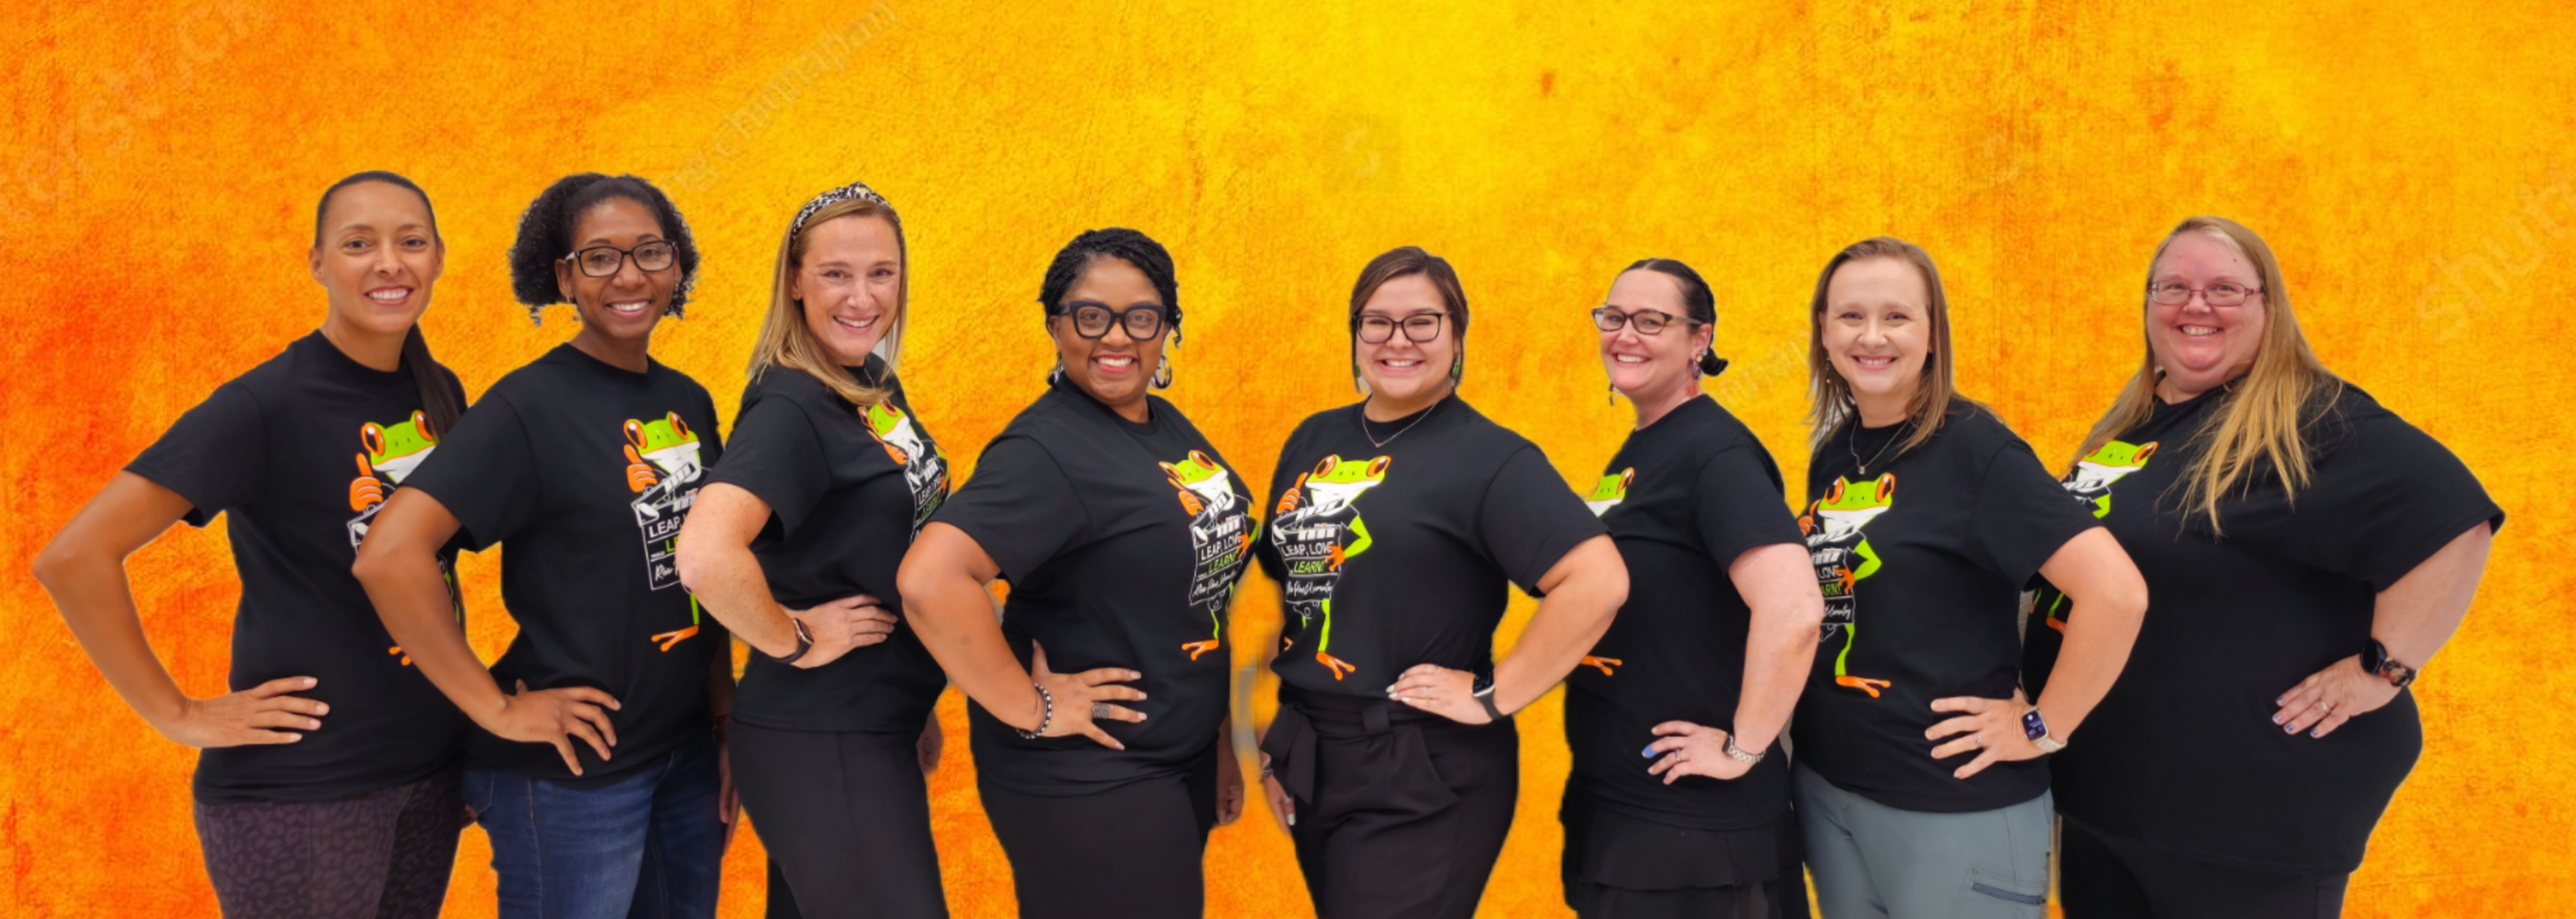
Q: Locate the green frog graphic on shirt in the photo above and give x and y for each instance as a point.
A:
(2090, 482)
(1606, 494)
(1220, 539)
(392, 452)
(1317, 530)
(1843, 559)
(663, 470)
(925, 466)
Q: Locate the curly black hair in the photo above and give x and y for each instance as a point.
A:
(545, 234)
(1120, 243)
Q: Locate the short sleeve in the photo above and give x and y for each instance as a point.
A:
(1018, 506)
(2022, 516)
(776, 456)
(1530, 519)
(1739, 504)
(216, 456)
(2386, 499)
(485, 473)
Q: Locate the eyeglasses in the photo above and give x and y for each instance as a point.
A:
(1092, 320)
(603, 261)
(1419, 328)
(2221, 294)
(1648, 322)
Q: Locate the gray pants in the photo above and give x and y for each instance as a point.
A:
(1872, 861)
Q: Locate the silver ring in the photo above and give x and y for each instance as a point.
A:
(1978, 739)
(1099, 711)
(2327, 706)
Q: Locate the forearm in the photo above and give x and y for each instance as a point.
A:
(728, 581)
(91, 591)
(2417, 615)
(953, 616)
(1568, 623)
(410, 595)
(1779, 650)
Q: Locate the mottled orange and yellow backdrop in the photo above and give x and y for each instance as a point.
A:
(2412, 166)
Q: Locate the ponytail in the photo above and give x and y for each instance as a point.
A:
(438, 401)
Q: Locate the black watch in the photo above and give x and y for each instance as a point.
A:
(2375, 660)
(1484, 692)
(804, 641)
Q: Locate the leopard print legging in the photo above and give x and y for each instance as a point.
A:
(385, 854)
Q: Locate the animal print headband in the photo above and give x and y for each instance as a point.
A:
(857, 190)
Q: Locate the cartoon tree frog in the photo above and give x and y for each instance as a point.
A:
(2090, 483)
(661, 461)
(1834, 541)
(894, 429)
(1611, 490)
(1207, 494)
(1312, 540)
(392, 453)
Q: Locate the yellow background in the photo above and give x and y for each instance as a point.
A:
(157, 171)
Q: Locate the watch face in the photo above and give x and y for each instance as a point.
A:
(2032, 726)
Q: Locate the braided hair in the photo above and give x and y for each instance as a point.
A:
(438, 400)
(1696, 300)
(1122, 244)
(545, 235)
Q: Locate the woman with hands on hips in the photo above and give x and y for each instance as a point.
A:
(1399, 525)
(1919, 782)
(2308, 551)
(1705, 661)
(1099, 700)
(794, 544)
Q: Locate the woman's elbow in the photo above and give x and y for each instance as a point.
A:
(692, 558)
(54, 566)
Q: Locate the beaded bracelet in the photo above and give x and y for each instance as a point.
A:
(1045, 718)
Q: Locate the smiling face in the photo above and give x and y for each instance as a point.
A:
(1113, 368)
(1399, 370)
(377, 257)
(1877, 331)
(622, 307)
(851, 284)
(2200, 347)
(1645, 367)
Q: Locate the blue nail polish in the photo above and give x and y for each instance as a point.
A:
(2276, 719)
(1648, 752)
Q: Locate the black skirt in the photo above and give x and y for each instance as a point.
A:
(1624, 865)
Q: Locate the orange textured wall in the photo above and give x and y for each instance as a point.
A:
(157, 169)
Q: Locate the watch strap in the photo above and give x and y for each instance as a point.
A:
(1738, 754)
(804, 641)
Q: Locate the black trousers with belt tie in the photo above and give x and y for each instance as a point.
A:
(1399, 812)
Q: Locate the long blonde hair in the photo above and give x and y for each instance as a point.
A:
(1831, 401)
(785, 341)
(2257, 427)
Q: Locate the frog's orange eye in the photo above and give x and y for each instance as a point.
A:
(1202, 459)
(635, 433)
(1627, 477)
(1834, 495)
(1886, 487)
(420, 423)
(373, 438)
(1377, 467)
(2144, 452)
(1326, 465)
(677, 426)
(1173, 474)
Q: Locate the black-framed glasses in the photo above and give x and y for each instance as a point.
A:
(2221, 294)
(1143, 321)
(1648, 322)
(1419, 328)
(603, 261)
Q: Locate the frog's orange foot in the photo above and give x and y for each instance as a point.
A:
(397, 649)
(667, 639)
(1335, 665)
(1863, 684)
(1335, 563)
(1602, 664)
(2058, 624)
(1847, 581)
(896, 454)
(1197, 648)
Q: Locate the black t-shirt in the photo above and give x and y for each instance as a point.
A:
(299, 454)
(2183, 753)
(1123, 544)
(582, 472)
(1396, 555)
(847, 491)
(1929, 550)
(1683, 498)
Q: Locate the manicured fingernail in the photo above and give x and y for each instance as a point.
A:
(312, 723)
(2289, 729)
(2320, 732)
(323, 708)
(2276, 719)
(1648, 752)
(1292, 820)
(309, 681)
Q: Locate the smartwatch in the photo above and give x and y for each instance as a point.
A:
(804, 641)
(1738, 754)
(2036, 728)
(2375, 659)
(1484, 691)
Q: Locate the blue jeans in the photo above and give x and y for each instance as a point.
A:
(649, 845)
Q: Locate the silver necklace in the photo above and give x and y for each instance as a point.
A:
(1381, 444)
(1852, 444)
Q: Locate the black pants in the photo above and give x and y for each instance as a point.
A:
(2106, 877)
(385, 853)
(1137, 850)
(1399, 812)
(846, 819)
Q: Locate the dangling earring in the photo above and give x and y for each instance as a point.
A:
(1056, 375)
(537, 316)
(1458, 368)
(1163, 373)
(1614, 394)
(1359, 382)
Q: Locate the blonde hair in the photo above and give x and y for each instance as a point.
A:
(2257, 426)
(1831, 402)
(786, 341)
